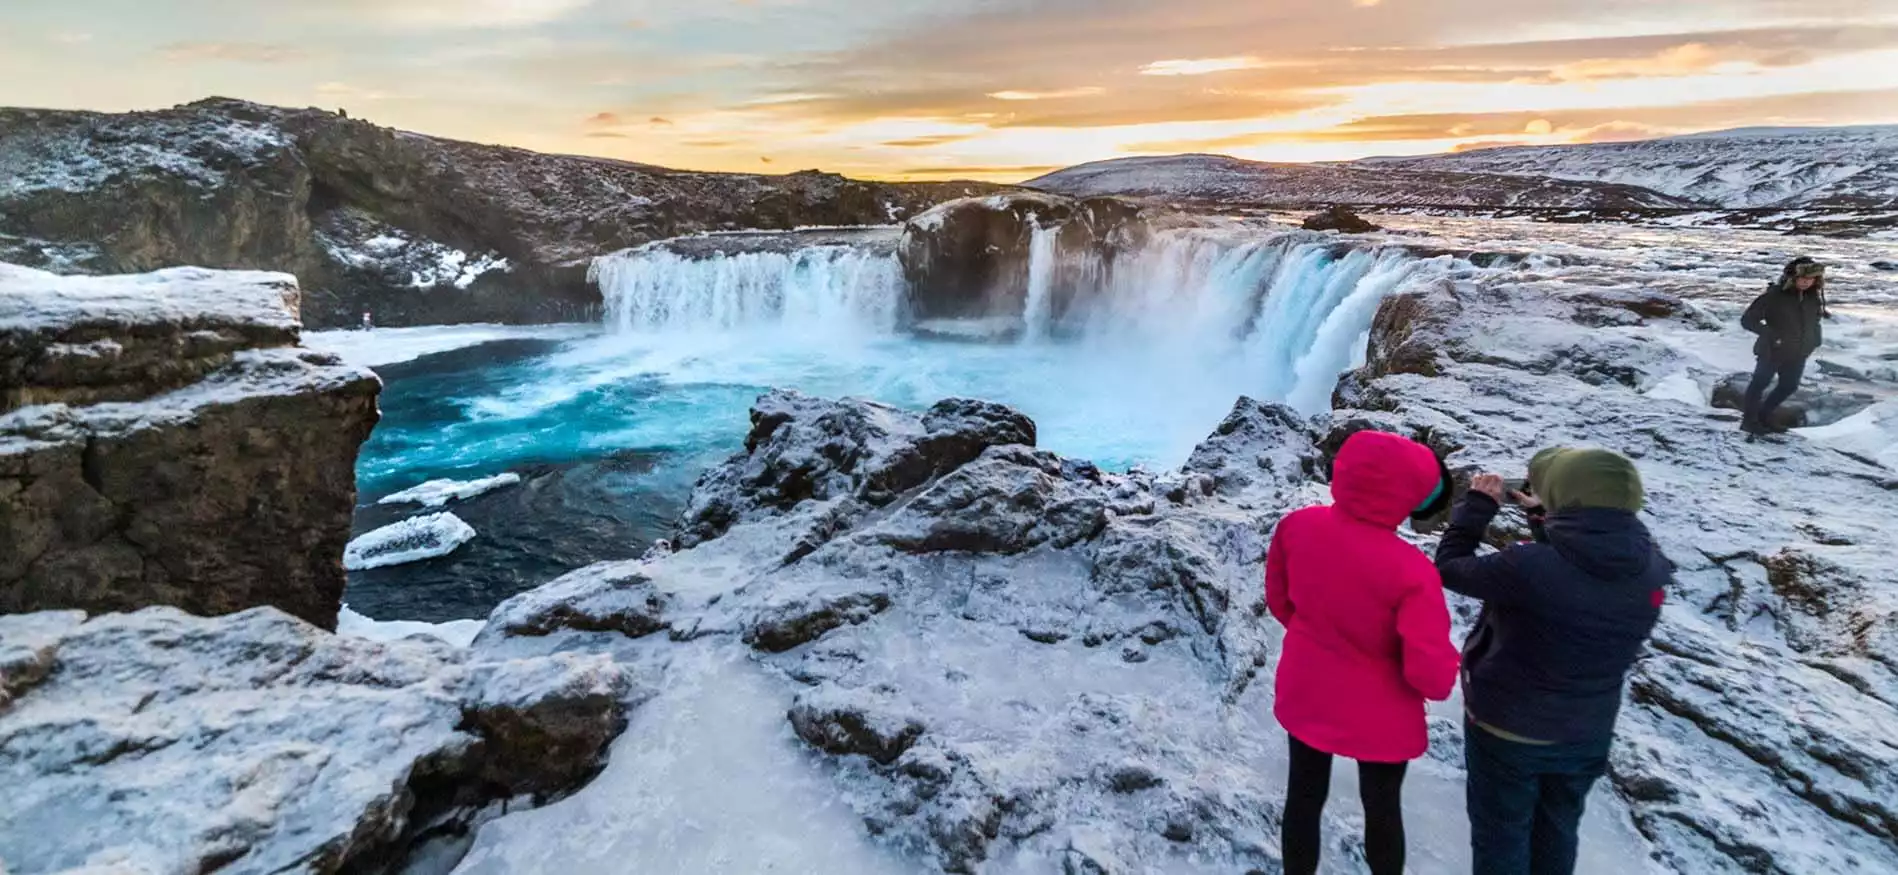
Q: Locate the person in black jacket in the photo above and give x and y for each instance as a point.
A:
(1563, 619)
(1786, 319)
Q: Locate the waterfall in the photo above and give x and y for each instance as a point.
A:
(826, 289)
(1039, 309)
(1278, 316)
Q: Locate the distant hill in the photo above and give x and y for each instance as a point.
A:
(1739, 169)
(1845, 168)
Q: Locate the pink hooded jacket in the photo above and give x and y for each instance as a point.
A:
(1367, 634)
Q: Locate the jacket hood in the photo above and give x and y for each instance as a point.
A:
(1605, 542)
(1568, 478)
(1381, 478)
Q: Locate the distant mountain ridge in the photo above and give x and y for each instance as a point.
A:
(1748, 168)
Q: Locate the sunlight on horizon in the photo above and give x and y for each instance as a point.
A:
(909, 90)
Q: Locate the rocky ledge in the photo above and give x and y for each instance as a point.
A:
(988, 658)
(414, 229)
(164, 441)
(158, 742)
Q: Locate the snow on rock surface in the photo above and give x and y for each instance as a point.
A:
(163, 441)
(460, 633)
(411, 540)
(997, 660)
(435, 493)
(160, 742)
(1851, 167)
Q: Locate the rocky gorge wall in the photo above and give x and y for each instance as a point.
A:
(164, 441)
(414, 229)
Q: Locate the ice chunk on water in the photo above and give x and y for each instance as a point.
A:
(460, 633)
(436, 493)
(411, 540)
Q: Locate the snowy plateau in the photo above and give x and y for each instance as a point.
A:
(915, 637)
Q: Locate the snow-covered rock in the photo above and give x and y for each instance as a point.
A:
(1850, 167)
(176, 447)
(414, 229)
(460, 633)
(159, 742)
(1220, 179)
(410, 540)
(435, 493)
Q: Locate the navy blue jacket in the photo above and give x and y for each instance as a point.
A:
(1563, 619)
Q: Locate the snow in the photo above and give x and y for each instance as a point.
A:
(706, 779)
(426, 263)
(1679, 386)
(388, 346)
(197, 149)
(411, 540)
(436, 493)
(35, 300)
(460, 633)
(1870, 434)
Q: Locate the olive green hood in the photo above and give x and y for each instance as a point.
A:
(1566, 478)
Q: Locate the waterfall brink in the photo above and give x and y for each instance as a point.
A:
(1277, 316)
(820, 289)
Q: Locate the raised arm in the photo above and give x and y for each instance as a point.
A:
(1490, 578)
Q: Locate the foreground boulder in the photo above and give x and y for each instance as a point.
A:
(161, 742)
(216, 470)
(413, 229)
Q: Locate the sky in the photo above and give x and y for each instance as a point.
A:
(929, 89)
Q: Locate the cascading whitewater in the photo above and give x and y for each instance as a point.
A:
(1289, 312)
(817, 288)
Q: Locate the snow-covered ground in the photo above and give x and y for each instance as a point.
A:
(436, 493)
(388, 346)
(460, 633)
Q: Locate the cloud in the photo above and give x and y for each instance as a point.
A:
(241, 53)
(343, 91)
(604, 118)
(1579, 125)
(1086, 91)
(606, 135)
(1201, 66)
(929, 140)
(659, 122)
(71, 38)
(460, 14)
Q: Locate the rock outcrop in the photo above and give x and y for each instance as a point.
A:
(413, 229)
(162, 742)
(1813, 405)
(1339, 218)
(163, 441)
(973, 258)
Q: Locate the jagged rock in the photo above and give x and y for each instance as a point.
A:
(255, 742)
(1255, 443)
(854, 722)
(1009, 501)
(611, 597)
(215, 483)
(781, 626)
(805, 449)
(413, 228)
(1812, 405)
(1339, 218)
(1646, 303)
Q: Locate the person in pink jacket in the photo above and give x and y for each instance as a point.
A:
(1367, 640)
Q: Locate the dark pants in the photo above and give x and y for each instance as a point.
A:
(1380, 788)
(1526, 801)
(1787, 373)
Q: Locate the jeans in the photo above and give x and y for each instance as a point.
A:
(1788, 374)
(1526, 801)
(1380, 788)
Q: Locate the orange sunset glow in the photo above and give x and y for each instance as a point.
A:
(995, 91)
